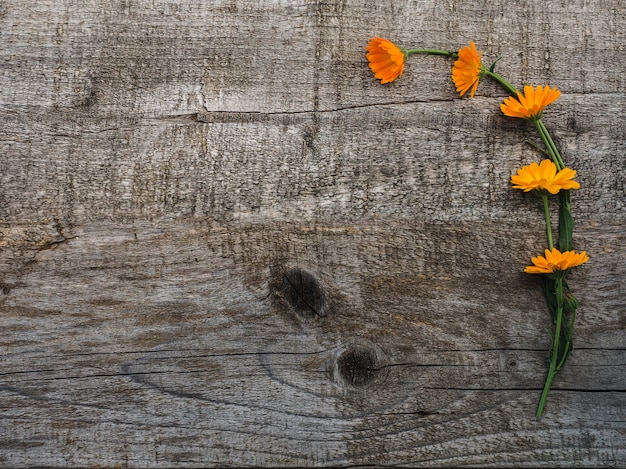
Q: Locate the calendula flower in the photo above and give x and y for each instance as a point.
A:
(531, 103)
(544, 177)
(385, 59)
(466, 71)
(555, 260)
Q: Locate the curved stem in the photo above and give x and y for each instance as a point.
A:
(555, 346)
(447, 53)
(546, 214)
(501, 80)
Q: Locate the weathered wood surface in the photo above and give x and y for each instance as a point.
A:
(222, 242)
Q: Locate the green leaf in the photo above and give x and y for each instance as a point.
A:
(548, 288)
(565, 347)
(493, 65)
(565, 337)
(566, 223)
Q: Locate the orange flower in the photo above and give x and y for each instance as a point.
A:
(385, 59)
(467, 69)
(530, 104)
(556, 260)
(543, 177)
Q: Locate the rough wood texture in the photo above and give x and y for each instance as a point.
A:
(223, 243)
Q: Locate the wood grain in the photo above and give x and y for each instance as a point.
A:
(223, 243)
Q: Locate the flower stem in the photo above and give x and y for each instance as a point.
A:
(501, 80)
(447, 53)
(550, 145)
(558, 285)
(546, 213)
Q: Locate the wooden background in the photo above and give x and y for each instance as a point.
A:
(223, 243)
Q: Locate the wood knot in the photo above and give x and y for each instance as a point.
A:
(301, 291)
(358, 366)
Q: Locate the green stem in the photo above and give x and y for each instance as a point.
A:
(555, 346)
(546, 213)
(447, 53)
(550, 145)
(501, 80)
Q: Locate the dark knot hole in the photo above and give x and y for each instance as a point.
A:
(357, 366)
(304, 293)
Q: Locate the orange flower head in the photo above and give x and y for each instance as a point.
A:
(555, 260)
(385, 59)
(466, 71)
(543, 177)
(531, 103)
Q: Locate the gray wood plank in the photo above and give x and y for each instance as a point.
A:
(223, 243)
